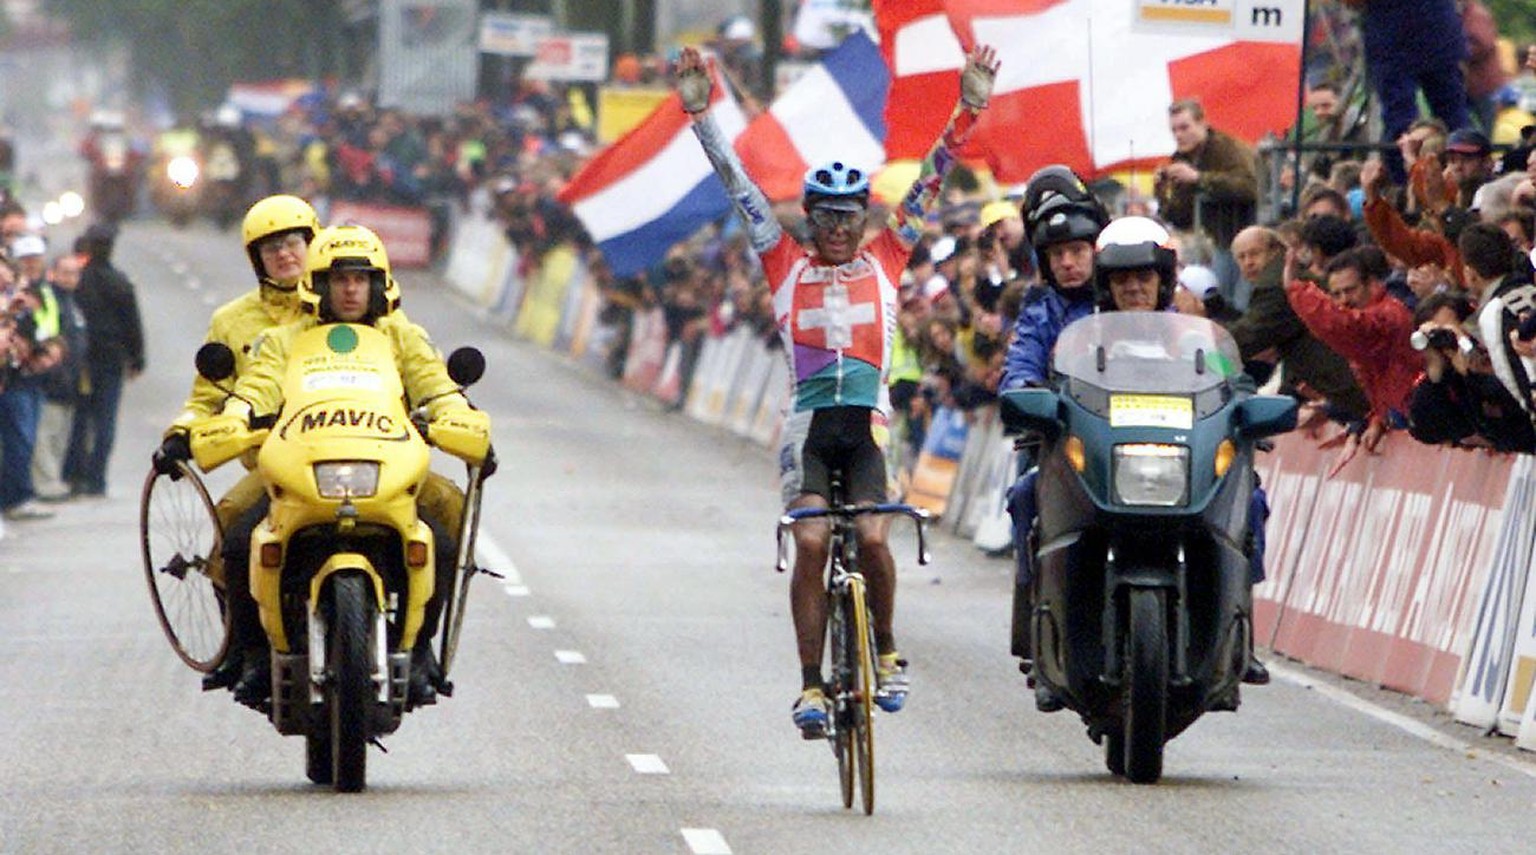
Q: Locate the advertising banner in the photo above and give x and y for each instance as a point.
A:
(406, 232)
(1391, 563)
(570, 57)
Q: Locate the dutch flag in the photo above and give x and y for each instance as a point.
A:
(654, 187)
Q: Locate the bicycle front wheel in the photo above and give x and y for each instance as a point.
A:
(840, 630)
(864, 694)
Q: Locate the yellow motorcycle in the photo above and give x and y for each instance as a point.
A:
(342, 568)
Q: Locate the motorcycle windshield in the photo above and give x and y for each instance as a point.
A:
(1162, 352)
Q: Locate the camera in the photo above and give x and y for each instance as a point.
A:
(1440, 338)
(1527, 328)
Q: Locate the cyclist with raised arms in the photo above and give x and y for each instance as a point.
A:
(836, 303)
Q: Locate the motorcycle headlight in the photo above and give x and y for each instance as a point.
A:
(1151, 474)
(182, 171)
(342, 479)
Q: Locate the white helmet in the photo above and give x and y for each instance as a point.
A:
(1135, 243)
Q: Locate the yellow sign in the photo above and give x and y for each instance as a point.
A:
(1157, 411)
(619, 110)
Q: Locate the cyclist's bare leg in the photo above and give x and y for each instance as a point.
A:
(808, 587)
(879, 569)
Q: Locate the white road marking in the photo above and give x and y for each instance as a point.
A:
(706, 841)
(647, 764)
(493, 557)
(570, 657)
(178, 268)
(194, 283)
(1398, 720)
(603, 702)
(210, 300)
(541, 622)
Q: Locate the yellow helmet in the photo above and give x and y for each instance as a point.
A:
(348, 248)
(273, 215)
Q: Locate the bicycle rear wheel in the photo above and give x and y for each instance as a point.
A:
(864, 693)
(180, 540)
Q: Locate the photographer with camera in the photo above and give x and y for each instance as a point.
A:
(1459, 401)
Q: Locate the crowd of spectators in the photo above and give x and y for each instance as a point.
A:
(1305, 296)
(1323, 301)
(70, 335)
(1398, 296)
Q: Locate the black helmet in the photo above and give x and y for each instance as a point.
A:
(1058, 208)
(1057, 179)
(1134, 243)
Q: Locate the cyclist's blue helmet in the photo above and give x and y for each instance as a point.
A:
(836, 185)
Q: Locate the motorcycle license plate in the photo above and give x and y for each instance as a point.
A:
(1158, 411)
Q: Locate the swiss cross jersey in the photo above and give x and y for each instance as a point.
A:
(837, 322)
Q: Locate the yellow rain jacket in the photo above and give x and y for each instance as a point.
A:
(237, 324)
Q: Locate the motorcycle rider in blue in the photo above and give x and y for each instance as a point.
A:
(1121, 253)
(1061, 222)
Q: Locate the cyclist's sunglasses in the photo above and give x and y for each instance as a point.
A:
(831, 218)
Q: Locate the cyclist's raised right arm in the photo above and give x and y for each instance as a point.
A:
(694, 86)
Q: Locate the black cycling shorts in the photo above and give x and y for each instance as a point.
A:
(847, 439)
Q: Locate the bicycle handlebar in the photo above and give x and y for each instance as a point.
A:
(848, 512)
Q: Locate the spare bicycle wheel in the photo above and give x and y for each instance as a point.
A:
(180, 537)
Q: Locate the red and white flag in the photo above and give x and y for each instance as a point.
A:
(1088, 82)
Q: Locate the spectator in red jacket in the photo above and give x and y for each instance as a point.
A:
(1371, 330)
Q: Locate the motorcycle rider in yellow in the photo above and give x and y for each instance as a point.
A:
(348, 281)
(276, 233)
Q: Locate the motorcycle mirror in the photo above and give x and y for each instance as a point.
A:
(215, 362)
(1031, 411)
(466, 366)
(1265, 415)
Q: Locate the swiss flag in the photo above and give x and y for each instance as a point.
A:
(1087, 82)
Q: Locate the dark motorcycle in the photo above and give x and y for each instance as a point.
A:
(1139, 613)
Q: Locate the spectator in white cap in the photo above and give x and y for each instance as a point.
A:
(940, 288)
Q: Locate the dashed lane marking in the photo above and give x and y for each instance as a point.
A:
(603, 702)
(706, 841)
(541, 622)
(516, 590)
(570, 657)
(647, 764)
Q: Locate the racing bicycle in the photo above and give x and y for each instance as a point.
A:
(850, 630)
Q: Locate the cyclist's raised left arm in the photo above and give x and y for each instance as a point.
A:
(976, 80)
